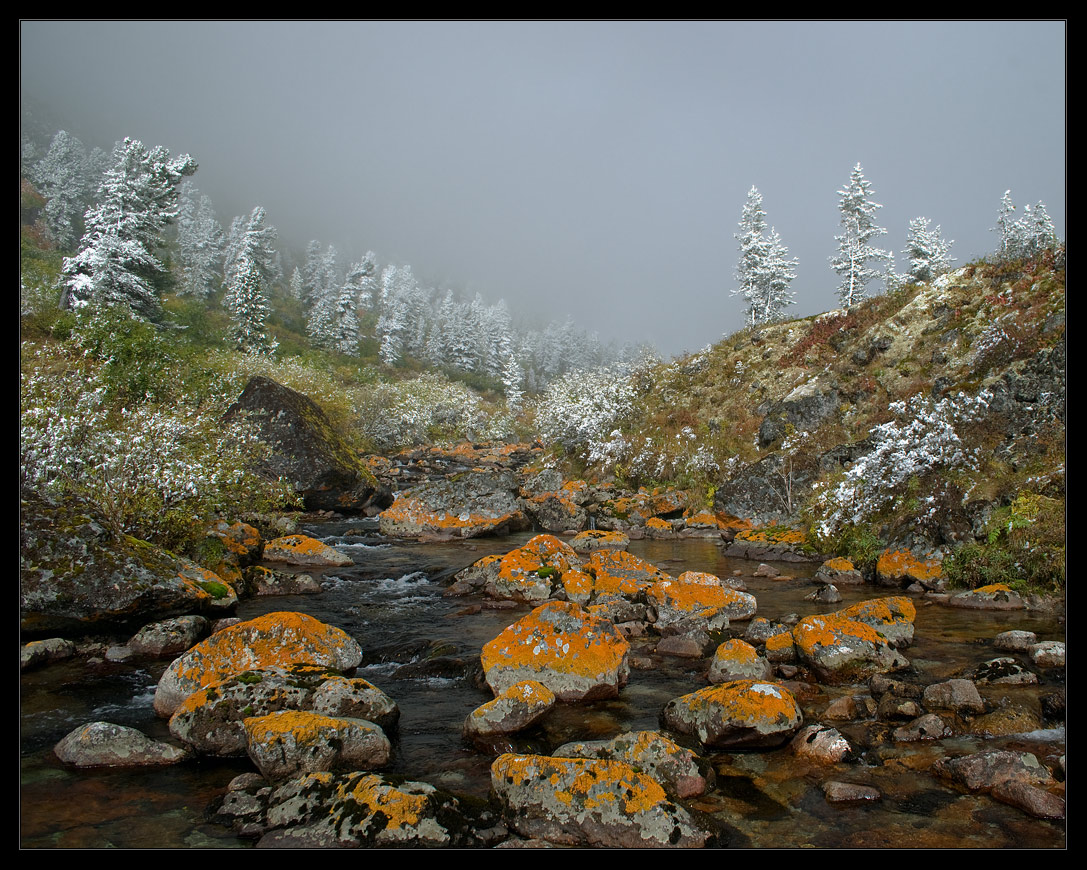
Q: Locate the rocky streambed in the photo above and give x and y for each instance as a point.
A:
(896, 783)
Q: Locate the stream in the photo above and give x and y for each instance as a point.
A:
(417, 646)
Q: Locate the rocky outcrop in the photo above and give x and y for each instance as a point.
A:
(78, 577)
(767, 491)
(306, 449)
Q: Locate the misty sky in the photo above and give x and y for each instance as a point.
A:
(596, 170)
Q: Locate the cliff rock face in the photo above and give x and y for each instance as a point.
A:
(306, 449)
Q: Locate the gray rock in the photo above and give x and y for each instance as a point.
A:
(1003, 672)
(291, 743)
(103, 744)
(843, 792)
(822, 744)
(168, 638)
(1030, 799)
(982, 771)
(927, 727)
(1015, 641)
(958, 695)
(1047, 654)
(44, 652)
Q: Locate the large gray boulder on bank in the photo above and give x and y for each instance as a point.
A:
(78, 577)
(306, 449)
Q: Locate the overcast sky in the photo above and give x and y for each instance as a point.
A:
(596, 170)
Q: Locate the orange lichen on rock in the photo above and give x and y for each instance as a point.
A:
(529, 572)
(902, 565)
(586, 783)
(304, 550)
(842, 649)
(694, 591)
(273, 640)
(771, 536)
(413, 517)
(839, 563)
(736, 713)
(573, 653)
(703, 520)
(598, 539)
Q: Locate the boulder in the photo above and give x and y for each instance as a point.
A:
(1030, 799)
(467, 506)
(45, 652)
(362, 809)
(822, 744)
(305, 551)
(959, 695)
(1047, 654)
(590, 802)
(843, 650)
(696, 594)
(741, 714)
(554, 512)
(677, 769)
(530, 572)
(1015, 641)
(891, 617)
(598, 539)
(845, 792)
(306, 449)
(996, 596)
(774, 545)
(838, 572)
(578, 656)
(168, 638)
(210, 720)
(290, 743)
(263, 582)
(103, 744)
(926, 727)
(898, 567)
(273, 640)
(520, 706)
(982, 771)
(78, 577)
(737, 660)
(1004, 671)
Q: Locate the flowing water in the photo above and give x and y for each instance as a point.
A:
(417, 647)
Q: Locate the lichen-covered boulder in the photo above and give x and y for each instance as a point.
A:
(520, 706)
(621, 574)
(740, 714)
(305, 448)
(772, 544)
(363, 809)
(44, 652)
(892, 617)
(290, 743)
(554, 512)
(103, 744)
(473, 504)
(476, 577)
(305, 551)
(838, 572)
(263, 582)
(996, 596)
(531, 571)
(78, 577)
(737, 660)
(599, 539)
(583, 802)
(844, 650)
(696, 594)
(210, 721)
(901, 568)
(273, 640)
(578, 656)
(673, 766)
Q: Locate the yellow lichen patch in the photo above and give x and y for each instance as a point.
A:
(778, 642)
(403, 810)
(839, 563)
(993, 589)
(622, 573)
(301, 726)
(575, 487)
(771, 536)
(415, 517)
(884, 611)
(703, 520)
(737, 651)
(579, 586)
(902, 564)
(544, 558)
(656, 524)
(597, 539)
(746, 701)
(584, 783)
(693, 591)
(303, 550)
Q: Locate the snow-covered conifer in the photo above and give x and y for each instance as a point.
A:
(325, 293)
(926, 251)
(250, 238)
(1029, 235)
(199, 243)
(116, 263)
(248, 305)
(857, 260)
(764, 270)
(62, 178)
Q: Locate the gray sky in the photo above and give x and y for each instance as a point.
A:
(596, 170)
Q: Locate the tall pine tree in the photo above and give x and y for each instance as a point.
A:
(858, 261)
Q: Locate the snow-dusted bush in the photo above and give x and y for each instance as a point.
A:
(922, 439)
(155, 471)
(426, 409)
(583, 410)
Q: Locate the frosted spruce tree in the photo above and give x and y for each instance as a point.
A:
(1029, 235)
(116, 262)
(248, 306)
(199, 243)
(63, 177)
(926, 251)
(858, 261)
(252, 238)
(764, 270)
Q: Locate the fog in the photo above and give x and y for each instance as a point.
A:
(593, 170)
